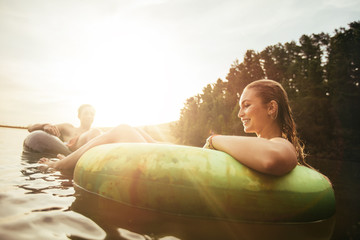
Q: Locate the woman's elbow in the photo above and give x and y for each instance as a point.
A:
(279, 166)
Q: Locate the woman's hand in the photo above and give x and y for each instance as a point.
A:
(208, 143)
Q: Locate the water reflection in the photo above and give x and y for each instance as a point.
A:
(49, 225)
(33, 157)
(345, 176)
(42, 210)
(39, 207)
(113, 216)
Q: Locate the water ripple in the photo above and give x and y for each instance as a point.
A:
(46, 225)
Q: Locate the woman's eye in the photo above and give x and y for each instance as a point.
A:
(244, 106)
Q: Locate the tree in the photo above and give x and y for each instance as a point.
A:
(321, 76)
(343, 77)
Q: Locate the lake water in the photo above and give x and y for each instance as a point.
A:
(36, 205)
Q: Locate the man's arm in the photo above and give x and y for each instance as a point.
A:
(46, 127)
(38, 126)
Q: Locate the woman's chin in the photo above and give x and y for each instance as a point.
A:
(247, 130)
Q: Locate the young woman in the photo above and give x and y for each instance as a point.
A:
(264, 110)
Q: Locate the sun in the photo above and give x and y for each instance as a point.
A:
(126, 74)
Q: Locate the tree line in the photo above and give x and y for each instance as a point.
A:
(321, 76)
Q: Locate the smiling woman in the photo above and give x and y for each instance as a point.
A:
(265, 111)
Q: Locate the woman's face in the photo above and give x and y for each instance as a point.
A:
(253, 112)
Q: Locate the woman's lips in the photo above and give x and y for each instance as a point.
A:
(245, 121)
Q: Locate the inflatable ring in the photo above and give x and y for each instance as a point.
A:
(42, 142)
(202, 183)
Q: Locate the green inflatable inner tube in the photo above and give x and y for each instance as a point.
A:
(202, 183)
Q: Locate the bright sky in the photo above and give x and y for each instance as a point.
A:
(137, 61)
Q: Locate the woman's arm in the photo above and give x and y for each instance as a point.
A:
(276, 156)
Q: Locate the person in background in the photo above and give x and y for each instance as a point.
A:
(120, 134)
(73, 137)
(264, 110)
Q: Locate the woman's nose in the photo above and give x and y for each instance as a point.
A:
(240, 114)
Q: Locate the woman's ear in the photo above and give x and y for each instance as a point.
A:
(273, 109)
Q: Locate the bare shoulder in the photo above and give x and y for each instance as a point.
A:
(282, 141)
(287, 148)
(66, 127)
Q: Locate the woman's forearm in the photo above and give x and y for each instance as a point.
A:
(264, 155)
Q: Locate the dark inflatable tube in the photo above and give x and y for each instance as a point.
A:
(42, 142)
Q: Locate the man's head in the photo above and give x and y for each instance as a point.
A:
(86, 114)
